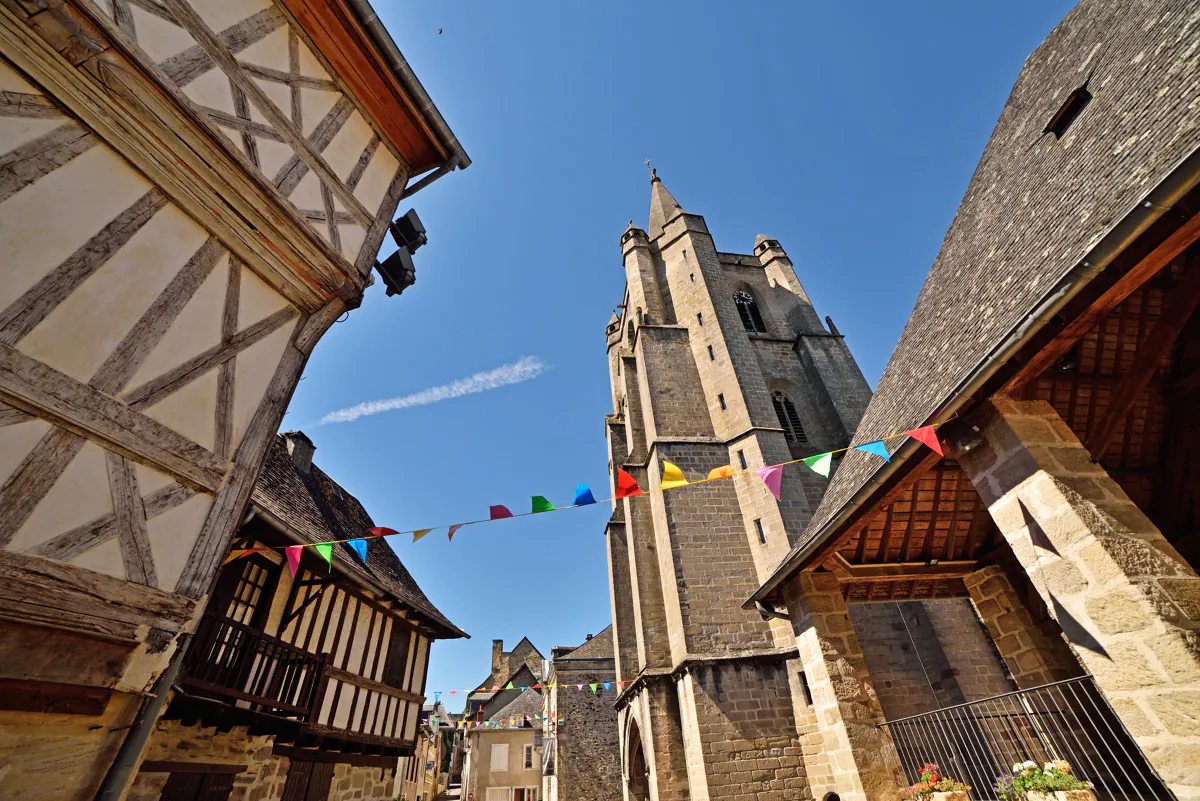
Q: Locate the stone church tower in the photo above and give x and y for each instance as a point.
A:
(718, 358)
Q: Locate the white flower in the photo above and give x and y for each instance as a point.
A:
(1048, 766)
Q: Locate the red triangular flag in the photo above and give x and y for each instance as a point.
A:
(379, 531)
(927, 435)
(627, 485)
(498, 512)
(454, 528)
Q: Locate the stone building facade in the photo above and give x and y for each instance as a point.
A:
(1056, 345)
(192, 192)
(718, 359)
(581, 759)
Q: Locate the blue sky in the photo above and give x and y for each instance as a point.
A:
(847, 131)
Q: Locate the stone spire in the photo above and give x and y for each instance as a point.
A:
(663, 207)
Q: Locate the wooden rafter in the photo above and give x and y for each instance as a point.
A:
(1176, 312)
(1121, 288)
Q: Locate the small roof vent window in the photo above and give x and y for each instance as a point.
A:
(1074, 105)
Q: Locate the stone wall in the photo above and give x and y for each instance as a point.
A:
(588, 758)
(265, 773)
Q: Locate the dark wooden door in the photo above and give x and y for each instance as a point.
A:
(308, 781)
(197, 787)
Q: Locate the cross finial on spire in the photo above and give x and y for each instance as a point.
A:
(653, 172)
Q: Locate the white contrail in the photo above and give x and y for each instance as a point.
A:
(522, 370)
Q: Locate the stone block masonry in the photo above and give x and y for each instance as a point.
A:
(1127, 602)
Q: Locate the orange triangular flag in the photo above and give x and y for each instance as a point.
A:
(724, 471)
(927, 435)
(627, 485)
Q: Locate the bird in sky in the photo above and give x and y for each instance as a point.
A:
(439, 31)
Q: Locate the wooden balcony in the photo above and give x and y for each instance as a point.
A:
(239, 666)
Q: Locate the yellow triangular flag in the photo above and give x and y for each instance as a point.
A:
(672, 476)
(420, 533)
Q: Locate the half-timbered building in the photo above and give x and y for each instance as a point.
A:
(303, 687)
(1056, 345)
(191, 193)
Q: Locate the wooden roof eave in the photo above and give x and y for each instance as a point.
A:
(895, 475)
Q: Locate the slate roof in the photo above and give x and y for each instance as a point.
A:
(1035, 206)
(599, 647)
(315, 508)
(527, 703)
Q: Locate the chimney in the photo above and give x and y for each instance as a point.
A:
(588, 638)
(498, 658)
(301, 449)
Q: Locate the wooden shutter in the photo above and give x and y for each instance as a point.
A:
(308, 781)
(197, 787)
(397, 657)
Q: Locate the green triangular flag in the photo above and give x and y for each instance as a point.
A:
(326, 550)
(509, 687)
(540, 504)
(820, 463)
(593, 686)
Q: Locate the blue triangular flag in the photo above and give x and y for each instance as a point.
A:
(523, 689)
(583, 495)
(607, 686)
(877, 447)
(360, 547)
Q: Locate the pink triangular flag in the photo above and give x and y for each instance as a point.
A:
(927, 435)
(293, 556)
(579, 687)
(771, 476)
(621, 684)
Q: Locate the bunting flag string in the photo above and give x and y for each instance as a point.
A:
(627, 487)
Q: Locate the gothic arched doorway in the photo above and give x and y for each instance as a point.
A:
(636, 775)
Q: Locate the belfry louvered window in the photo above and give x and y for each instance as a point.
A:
(747, 307)
(789, 420)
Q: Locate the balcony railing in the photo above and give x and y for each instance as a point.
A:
(234, 661)
(979, 741)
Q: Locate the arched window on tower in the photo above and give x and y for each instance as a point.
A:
(747, 307)
(789, 420)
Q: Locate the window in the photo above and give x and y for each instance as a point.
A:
(721, 400)
(397, 657)
(762, 535)
(499, 761)
(1071, 108)
(789, 420)
(244, 592)
(711, 357)
(747, 307)
(700, 318)
(742, 459)
(529, 757)
(692, 276)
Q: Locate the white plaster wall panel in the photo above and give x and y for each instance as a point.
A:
(88, 190)
(348, 145)
(256, 300)
(314, 105)
(307, 195)
(195, 330)
(352, 237)
(272, 156)
(150, 480)
(158, 37)
(172, 535)
(377, 179)
(271, 51)
(221, 14)
(104, 558)
(278, 93)
(79, 496)
(342, 719)
(16, 441)
(191, 410)
(211, 90)
(234, 137)
(13, 81)
(85, 328)
(360, 636)
(16, 131)
(310, 65)
(255, 368)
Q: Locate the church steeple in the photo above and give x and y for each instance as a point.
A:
(663, 207)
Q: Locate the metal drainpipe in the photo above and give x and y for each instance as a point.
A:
(1181, 180)
(117, 781)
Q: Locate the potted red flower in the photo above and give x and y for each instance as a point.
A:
(934, 786)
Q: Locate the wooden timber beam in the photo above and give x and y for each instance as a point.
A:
(905, 571)
(861, 518)
(1177, 309)
(1122, 287)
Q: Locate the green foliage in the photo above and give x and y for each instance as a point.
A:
(932, 781)
(1027, 777)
